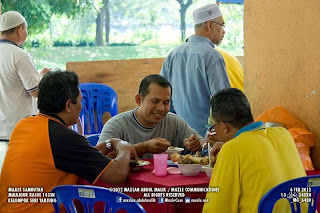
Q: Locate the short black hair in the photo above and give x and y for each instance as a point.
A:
(232, 106)
(55, 89)
(157, 79)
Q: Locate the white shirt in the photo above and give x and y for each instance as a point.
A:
(18, 77)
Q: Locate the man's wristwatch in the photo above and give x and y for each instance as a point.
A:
(108, 145)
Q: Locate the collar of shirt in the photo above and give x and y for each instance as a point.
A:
(251, 127)
(8, 42)
(196, 38)
(52, 115)
(138, 122)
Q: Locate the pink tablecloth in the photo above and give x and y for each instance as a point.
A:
(143, 179)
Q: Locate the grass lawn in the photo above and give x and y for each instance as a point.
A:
(57, 57)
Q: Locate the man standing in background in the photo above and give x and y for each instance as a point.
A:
(234, 69)
(196, 70)
(19, 78)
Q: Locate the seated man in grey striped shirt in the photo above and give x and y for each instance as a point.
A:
(150, 127)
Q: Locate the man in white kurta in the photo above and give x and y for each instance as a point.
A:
(18, 77)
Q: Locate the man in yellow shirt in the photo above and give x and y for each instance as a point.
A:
(252, 160)
(233, 68)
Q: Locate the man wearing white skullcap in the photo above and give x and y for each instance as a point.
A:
(18, 77)
(196, 70)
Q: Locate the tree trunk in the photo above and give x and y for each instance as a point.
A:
(99, 32)
(183, 23)
(107, 20)
(183, 10)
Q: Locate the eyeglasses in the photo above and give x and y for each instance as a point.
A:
(222, 25)
(210, 128)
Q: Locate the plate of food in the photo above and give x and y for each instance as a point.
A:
(190, 159)
(173, 149)
(138, 164)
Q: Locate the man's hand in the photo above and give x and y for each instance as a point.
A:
(112, 155)
(157, 145)
(120, 144)
(118, 171)
(44, 71)
(192, 143)
(216, 148)
(212, 139)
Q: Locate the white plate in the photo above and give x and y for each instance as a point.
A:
(141, 163)
(176, 149)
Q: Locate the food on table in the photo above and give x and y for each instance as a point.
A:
(173, 149)
(192, 159)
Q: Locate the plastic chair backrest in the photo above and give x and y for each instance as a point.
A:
(97, 99)
(93, 139)
(89, 195)
(290, 191)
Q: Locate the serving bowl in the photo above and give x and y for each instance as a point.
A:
(189, 169)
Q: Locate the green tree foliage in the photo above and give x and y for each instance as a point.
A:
(233, 18)
(145, 22)
(39, 12)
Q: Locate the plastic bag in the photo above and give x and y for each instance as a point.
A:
(279, 114)
(303, 136)
(304, 152)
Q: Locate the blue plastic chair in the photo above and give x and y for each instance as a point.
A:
(97, 99)
(93, 139)
(288, 190)
(89, 195)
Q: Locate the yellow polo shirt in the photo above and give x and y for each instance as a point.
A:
(248, 166)
(234, 69)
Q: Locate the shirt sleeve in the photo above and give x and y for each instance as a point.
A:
(28, 73)
(73, 153)
(225, 176)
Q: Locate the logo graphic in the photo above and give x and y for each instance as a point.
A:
(160, 200)
(119, 199)
(187, 200)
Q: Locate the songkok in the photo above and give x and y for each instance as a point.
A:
(10, 19)
(208, 12)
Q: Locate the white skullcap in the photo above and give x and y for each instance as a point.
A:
(10, 19)
(208, 12)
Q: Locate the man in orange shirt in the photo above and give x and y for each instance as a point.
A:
(43, 152)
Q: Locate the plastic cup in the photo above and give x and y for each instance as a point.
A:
(160, 164)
